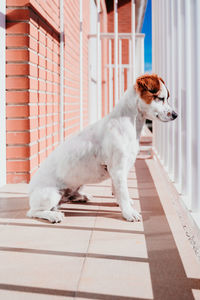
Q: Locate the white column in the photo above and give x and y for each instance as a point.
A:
(183, 102)
(176, 90)
(81, 64)
(106, 90)
(61, 115)
(179, 103)
(99, 104)
(188, 114)
(116, 50)
(110, 75)
(133, 39)
(129, 70)
(2, 93)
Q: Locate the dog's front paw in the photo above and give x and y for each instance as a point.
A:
(131, 215)
(55, 216)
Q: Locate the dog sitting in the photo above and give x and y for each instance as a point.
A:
(106, 149)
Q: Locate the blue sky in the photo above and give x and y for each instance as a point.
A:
(146, 28)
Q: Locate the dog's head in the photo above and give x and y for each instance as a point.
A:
(154, 98)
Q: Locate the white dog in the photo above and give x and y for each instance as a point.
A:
(105, 149)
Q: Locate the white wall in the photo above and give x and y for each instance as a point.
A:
(176, 50)
(2, 95)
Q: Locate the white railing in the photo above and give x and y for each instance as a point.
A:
(176, 48)
(126, 71)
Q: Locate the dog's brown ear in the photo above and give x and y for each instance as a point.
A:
(148, 87)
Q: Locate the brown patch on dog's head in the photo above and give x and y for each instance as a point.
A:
(148, 87)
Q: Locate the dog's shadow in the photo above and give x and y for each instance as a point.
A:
(89, 212)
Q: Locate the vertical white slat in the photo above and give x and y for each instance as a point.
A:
(158, 71)
(116, 50)
(183, 102)
(129, 72)
(172, 71)
(168, 136)
(188, 101)
(179, 103)
(2, 93)
(123, 80)
(169, 84)
(133, 67)
(162, 138)
(153, 67)
(110, 75)
(99, 103)
(61, 113)
(81, 64)
(175, 98)
(120, 68)
(106, 90)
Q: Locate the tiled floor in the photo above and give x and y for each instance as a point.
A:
(94, 253)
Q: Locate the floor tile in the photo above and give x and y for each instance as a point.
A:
(125, 245)
(42, 271)
(116, 278)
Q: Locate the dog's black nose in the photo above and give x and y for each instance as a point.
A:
(174, 115)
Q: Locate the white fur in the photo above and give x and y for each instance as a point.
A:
(111, 144)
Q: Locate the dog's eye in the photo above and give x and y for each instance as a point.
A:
(161, 98)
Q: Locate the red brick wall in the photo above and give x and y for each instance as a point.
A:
(33, 81)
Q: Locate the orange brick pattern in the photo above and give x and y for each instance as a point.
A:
(33, 80)
(32, 85)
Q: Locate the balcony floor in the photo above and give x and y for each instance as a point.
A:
(94, 253)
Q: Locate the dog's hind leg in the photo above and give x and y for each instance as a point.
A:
(43, 202)
(80, 196)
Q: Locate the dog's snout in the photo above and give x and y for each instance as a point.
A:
(174, 115)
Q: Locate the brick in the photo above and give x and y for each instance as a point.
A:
(33, 95)
(17, 2)
(17, 165)
(34, 135)
(33, 31)
(17, 14)
(33, 71)
(17, 69)
(17, 83)
(33, 110)
(33, 162)
(33, 84)
(33, 57)
(17, 97)
(18, 177)
(33, 44)
(33, 123)
(17, 55)
(17, 27)
(17, 41)
(17, 138)
(34, 149)
(17, 152)
(42, 156)
(13, 111)
(17, 124)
